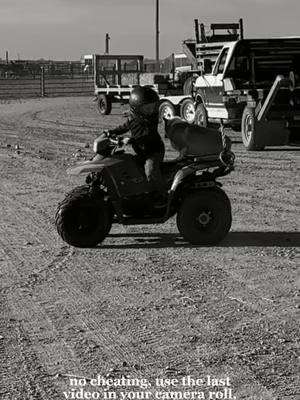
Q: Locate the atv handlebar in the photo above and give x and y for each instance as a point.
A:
(117, 141)
(107, 140)
(114, 139)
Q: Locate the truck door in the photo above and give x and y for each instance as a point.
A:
(213, 89)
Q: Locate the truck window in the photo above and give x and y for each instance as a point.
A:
(239, 68)
(222, 61)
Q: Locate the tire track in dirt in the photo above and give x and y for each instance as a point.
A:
(250, 305)
(21, 369)
(20, 281)
(153, 337)
(80, 126)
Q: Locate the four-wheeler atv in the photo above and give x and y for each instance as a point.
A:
(117, 191)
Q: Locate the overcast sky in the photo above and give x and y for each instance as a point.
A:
(67, 29)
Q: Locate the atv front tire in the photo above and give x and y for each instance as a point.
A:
(83, 218)
(204, 217)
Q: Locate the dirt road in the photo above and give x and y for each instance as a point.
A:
(144, 303)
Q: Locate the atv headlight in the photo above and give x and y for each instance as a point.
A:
(95, 146)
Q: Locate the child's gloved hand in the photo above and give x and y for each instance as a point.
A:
(126, 140)
(107, 133)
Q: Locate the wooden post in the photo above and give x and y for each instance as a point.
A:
(197, 31)
(241, 28)
(119, 72)
(71, 69)
(203, 35)
(107, 39)
(173, 66)
(157, 35)
(114, 68)
(42, 84)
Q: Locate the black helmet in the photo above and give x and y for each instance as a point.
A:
(144, 101)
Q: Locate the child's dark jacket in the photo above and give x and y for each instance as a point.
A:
(145, 138)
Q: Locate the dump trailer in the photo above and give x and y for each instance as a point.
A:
(253, 87)
(206, 46)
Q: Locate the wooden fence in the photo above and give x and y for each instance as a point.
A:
(77, 85)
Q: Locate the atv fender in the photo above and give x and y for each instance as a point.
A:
(94, 165)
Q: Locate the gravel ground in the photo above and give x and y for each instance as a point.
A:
(144, 304)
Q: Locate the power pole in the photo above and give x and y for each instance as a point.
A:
(157, 35)
(107, 39)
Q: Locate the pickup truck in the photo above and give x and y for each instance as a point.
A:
(253, 87)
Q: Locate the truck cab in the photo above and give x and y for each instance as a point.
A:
(209, 86)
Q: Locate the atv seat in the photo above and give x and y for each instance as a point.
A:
(208, 161)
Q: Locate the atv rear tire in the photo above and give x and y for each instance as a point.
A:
(83, 218)
(204, 217)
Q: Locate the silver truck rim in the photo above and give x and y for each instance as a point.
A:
(168, 112)
(189, 112)
(248, 131)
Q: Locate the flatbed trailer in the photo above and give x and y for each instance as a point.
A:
(116, 75)
(171, 106)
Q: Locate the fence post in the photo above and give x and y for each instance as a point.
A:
(42, 85)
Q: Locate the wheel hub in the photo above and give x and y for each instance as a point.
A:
(204, 218)
(248, 127)
(168, 114)
(190, 113)
(201, 119)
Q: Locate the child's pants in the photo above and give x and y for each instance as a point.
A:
(153, 172)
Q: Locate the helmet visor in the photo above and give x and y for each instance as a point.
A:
(149, 109)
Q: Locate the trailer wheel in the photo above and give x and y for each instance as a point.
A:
(166, 110)
(249, 132)
(187, 110)
(201, 118)
(104, 104)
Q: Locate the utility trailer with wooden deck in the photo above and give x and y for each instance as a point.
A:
(114, 78)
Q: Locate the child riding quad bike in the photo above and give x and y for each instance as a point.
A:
(140, 188)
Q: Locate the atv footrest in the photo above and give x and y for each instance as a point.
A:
(144, 221)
